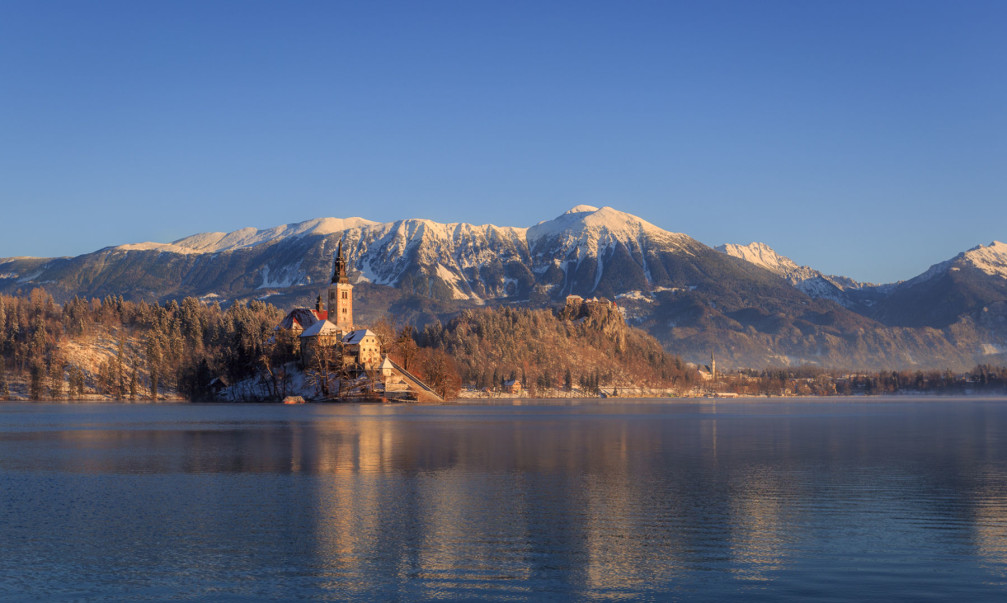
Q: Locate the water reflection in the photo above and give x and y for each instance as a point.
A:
(760, 530)
(611, 501)
(991, 526)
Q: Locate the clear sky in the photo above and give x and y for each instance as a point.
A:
(864, 138)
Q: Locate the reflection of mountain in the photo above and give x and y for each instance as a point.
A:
(596, 501)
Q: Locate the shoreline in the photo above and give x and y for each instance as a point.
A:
(515, 400)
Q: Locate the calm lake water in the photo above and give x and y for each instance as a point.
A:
(893, 499)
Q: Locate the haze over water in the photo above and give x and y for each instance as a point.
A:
(901, 499)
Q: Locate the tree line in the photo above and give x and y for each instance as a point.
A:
(122, 349)
(547, 349)
(125, 350)
(816, 381)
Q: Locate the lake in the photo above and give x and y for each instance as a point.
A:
(847, 499)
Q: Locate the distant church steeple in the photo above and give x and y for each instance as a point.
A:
(340, 294)
(339, 267)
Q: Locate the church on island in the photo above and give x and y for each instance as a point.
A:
(346, 362)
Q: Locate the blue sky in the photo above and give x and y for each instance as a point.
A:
(862, 138)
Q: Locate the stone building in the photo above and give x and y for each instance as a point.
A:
(362, 347)
(321, 335)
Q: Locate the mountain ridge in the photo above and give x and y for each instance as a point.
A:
(747, 304)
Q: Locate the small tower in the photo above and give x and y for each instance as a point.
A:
(340, 295)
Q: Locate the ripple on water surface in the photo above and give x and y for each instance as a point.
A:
(845, 500)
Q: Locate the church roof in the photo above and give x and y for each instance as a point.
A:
(322, 327)
(302, 317)
(358, 335)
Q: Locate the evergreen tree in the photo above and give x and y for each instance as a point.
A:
(132, 384)
(56, 382)
(35, 385)
(120, 384)
(3, 328)
(76, 383)
(154, 357)
(4, 387)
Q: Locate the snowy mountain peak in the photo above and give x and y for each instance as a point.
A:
(590, 224)
(151, 246)
(762, 255)
(805, 278)
(213, 242)
(991, 259)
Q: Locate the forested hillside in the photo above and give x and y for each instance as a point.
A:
(583, 347)
(119, 349)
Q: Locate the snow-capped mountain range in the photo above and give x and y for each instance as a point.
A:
(747, 303)
(807, 279)
(989, 259)
(462, 261)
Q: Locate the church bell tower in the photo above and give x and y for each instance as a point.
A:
(340, 295)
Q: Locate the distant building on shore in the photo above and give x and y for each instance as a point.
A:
(512, 386)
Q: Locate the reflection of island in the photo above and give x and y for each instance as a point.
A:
(457, 502)
(600, 501)
(991, 529)
(759, 533)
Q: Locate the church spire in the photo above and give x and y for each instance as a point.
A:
(339, 269)
(340, 311)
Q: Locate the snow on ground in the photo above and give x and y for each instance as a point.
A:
(992, 349)
(367, 275)
(510, 285)
(32, 276)
(635, 296)
(456, 283)
(256, 388)
(88, 352)
(288, 277)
